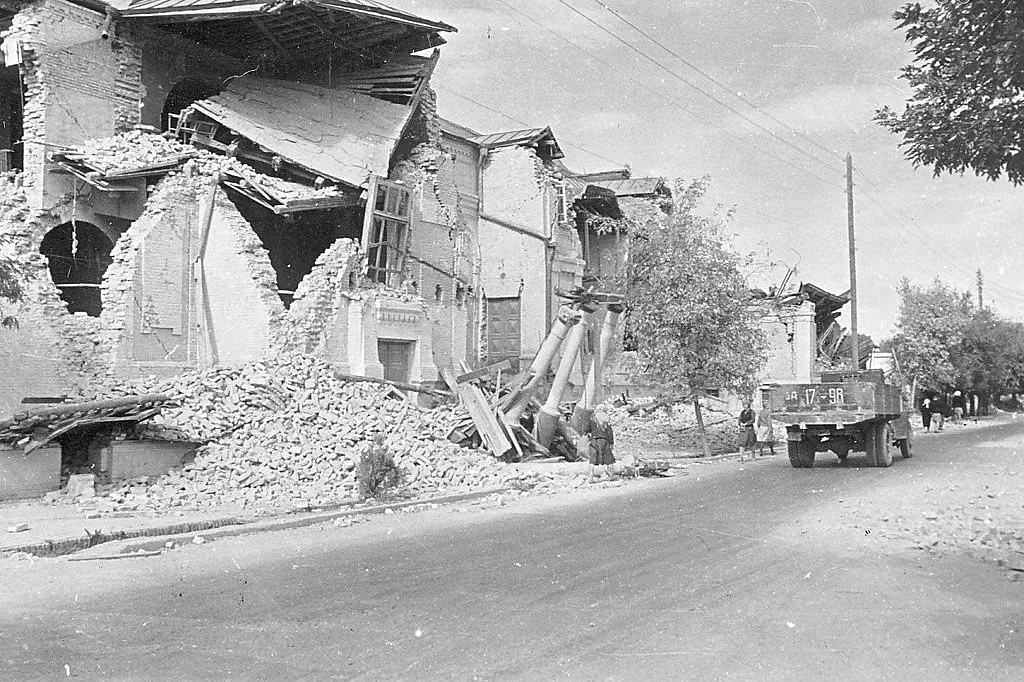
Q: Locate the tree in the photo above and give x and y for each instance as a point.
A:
(967, 109)
(689, 302)
(931, 325)
(12, 274)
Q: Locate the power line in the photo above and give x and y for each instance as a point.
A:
(528, 125)
(712, 79)
(668, 100)
(692, 85)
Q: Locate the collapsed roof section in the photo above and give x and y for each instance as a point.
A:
(540, 139)
(290, 30)
(633, 187)
(337, 135)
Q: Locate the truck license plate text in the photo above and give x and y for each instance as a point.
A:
(832, 395)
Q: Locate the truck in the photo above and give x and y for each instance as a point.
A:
(846, 411)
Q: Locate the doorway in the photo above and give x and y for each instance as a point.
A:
(396, 356)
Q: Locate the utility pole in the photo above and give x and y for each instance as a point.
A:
(981, 301)
(854, 340)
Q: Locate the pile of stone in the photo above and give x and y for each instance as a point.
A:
(287, 433)
(672, 429)
(130, 151)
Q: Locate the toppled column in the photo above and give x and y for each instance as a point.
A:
(567, 318)
(585, 407)
(547, 418)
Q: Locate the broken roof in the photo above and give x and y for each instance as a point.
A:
(297, 30)
(540, 138)
(338, 134)
(633, 187)
(401, 81)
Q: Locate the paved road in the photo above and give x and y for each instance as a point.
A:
(753, 572)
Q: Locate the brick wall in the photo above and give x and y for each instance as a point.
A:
(239, 288)
(792, 344)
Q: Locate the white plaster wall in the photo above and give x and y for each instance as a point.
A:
(792, 344)
(237, 319)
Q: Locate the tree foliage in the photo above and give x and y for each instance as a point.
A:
(967, 108)
(931, 324)
(12, 276)
(943, 340)
(688, 298)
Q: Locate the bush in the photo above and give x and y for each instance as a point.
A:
(377, 471)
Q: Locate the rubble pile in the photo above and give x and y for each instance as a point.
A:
(672, 428)
(130, 151)
(288, 434)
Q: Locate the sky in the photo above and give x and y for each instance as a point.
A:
(764, 96)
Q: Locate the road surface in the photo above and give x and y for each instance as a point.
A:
(755, 571)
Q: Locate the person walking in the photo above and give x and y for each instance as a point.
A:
(926, 414)
(958, 404)
(939, 408)
(747, 438)
(764, 431)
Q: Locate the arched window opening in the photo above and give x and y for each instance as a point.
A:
(78, 254)
(183, 94)
(295, 241)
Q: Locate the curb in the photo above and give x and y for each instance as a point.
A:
(53, 548)
(160, 536)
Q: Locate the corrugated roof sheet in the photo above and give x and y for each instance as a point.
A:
(454, 129)
(341, 135)
(632, 187)
(542, 138)
(369, 8)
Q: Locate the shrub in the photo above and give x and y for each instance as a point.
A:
(377, 472)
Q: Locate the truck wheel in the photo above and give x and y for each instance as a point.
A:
(794, 453)
(883, 440)
(801, 454)
(905, 448)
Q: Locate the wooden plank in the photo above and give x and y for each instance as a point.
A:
(396, 384)
(489, 370)
(490, 428)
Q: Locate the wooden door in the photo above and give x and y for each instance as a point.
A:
(396, 356)
(503, 329)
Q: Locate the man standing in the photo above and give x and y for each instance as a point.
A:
(601, 441)
(746, 438)
(958, 405)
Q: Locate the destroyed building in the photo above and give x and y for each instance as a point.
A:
(515, 194)
(200, 182)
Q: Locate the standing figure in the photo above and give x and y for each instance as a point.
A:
(765, 432)
(602, 439)
(926, 414)
(958, 403)
(938, 411)
(747, 438)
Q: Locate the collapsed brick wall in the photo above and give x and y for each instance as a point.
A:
(306, 325)
(50, 351)
(77, 85)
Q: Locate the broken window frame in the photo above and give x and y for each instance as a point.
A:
(386, 226)
(561, 203)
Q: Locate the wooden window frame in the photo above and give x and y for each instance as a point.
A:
(386, 225)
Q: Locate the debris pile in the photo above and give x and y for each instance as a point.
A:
(127, 153)
(287, 433)
(672, 428)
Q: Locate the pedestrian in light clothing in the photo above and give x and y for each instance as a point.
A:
(938, 411)
(747, 437)
(764, 430)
